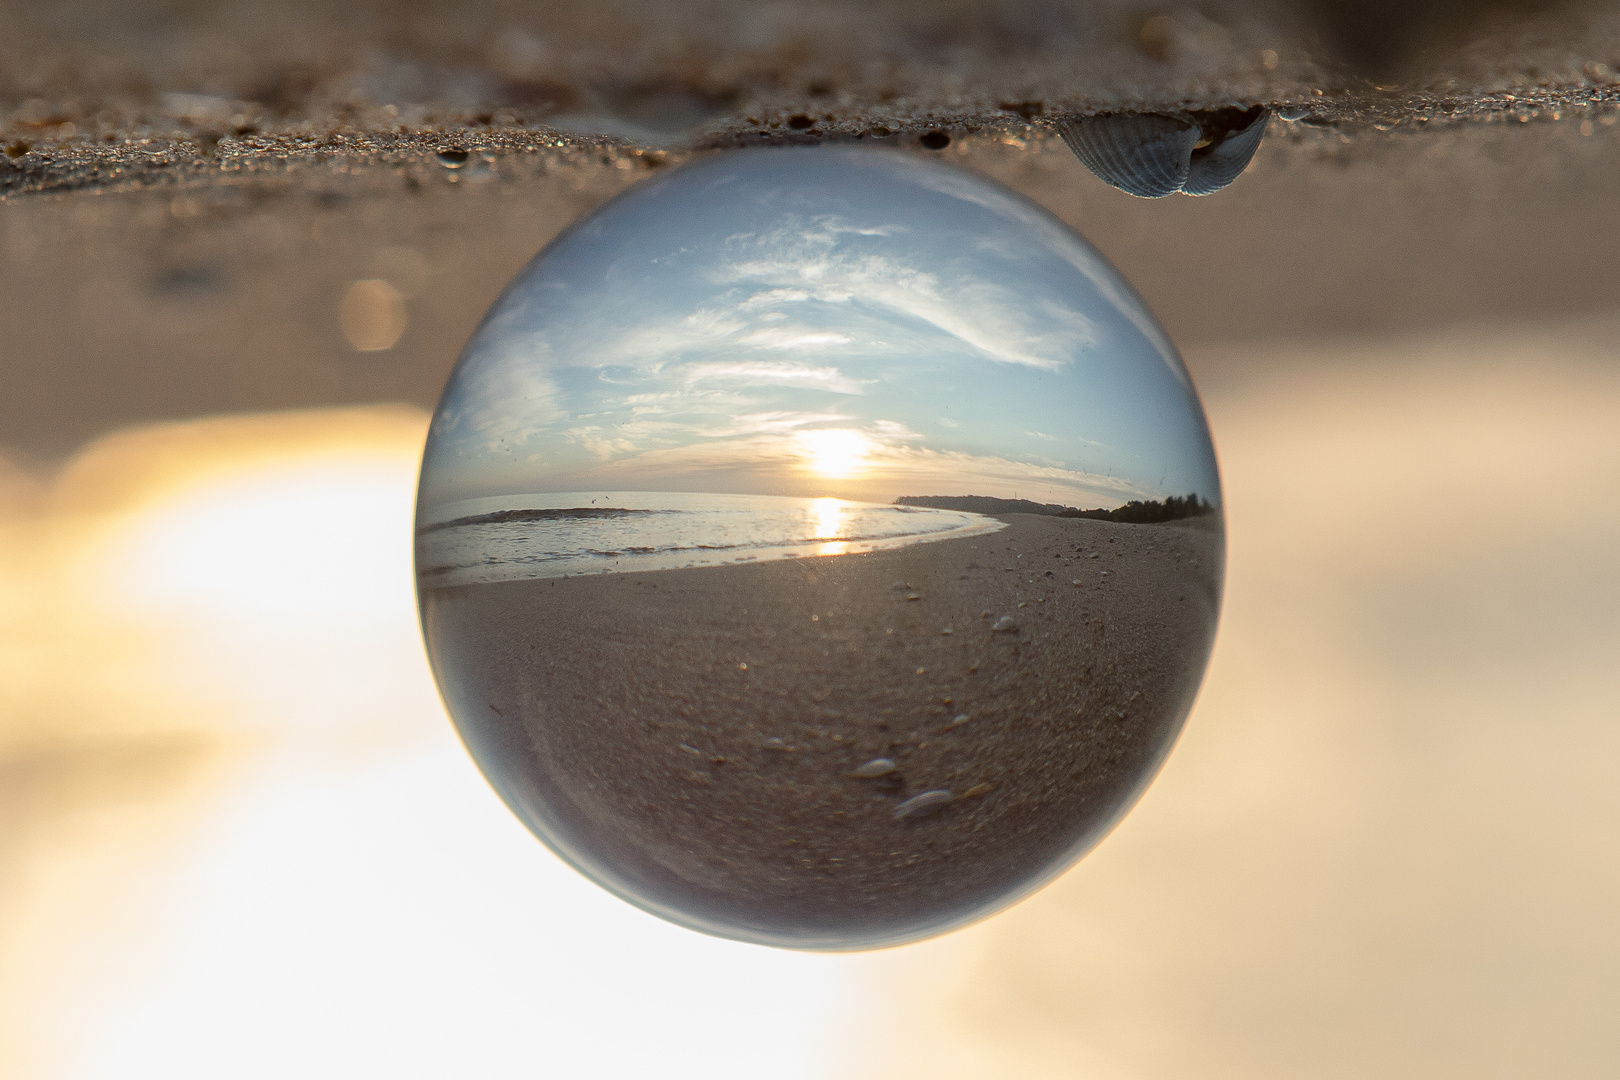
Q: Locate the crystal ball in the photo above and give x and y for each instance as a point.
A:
(819, 547)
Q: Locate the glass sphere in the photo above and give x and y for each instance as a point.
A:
(819, 547)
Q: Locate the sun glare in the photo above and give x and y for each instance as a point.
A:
(836, 454)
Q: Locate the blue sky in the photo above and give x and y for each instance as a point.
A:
(826, 322)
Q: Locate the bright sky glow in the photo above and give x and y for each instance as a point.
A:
(827, 322)
(355, 902)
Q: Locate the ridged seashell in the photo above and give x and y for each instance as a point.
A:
(1235, 139)
(1145, 154)
(1152, 155)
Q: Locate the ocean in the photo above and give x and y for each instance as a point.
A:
(517, 537)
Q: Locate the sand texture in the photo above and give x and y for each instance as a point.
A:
(145, 92)
(689, 737)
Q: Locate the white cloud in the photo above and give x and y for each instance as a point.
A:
(502, 395)
(773, 373)
(795, 339)
(802, 262)
(771, 423)
(1056, 237)
(596, 441)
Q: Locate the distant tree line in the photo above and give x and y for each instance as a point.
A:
(1135, 512)
(982, 504)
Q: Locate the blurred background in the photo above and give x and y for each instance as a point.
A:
(238, 836)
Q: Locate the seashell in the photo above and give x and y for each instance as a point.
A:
(925, 803)
(1236, 136)
(1152, 155)
(1144, 154)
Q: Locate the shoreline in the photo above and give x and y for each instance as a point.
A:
(687, 557)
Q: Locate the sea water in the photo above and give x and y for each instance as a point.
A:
(518, 537)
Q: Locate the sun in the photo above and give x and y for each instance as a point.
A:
(836, 454)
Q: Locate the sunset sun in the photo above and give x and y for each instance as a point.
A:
(835, 454)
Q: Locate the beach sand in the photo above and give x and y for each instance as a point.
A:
(687, 737)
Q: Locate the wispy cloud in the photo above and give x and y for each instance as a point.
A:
(771, 373)
(1055, 238)
(781, 338)
(802, 262)
(491, 408)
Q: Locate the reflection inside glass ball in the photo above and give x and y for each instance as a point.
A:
(819, 547)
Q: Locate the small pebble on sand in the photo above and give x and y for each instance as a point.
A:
(1004, 625)
(875, 768)
(947, 632)
(978, 789)
(773, 743)
(959, 719)
(923, 803)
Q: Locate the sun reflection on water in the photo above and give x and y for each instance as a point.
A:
(827, 519)
(828, 515)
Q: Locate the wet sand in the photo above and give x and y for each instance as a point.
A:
(687, 737)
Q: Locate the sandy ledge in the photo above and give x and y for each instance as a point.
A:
(688, 736)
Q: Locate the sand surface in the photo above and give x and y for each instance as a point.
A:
(147, 92)
(689, 736)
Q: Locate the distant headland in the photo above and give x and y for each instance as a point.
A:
(1135, 512)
